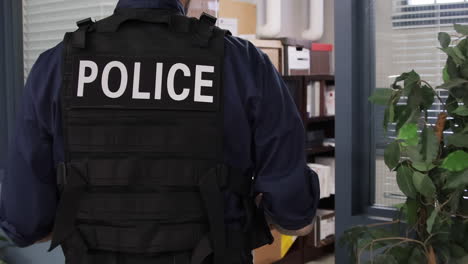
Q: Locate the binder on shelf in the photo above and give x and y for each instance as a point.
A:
(314, 101)
(324, 228)
(330, 100)
(329, 161)
(324, 175)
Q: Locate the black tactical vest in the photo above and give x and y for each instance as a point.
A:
(144, 176)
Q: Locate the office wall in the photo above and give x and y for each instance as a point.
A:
(329, 32)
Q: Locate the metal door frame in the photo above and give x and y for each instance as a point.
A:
(355, 153)
(11, 67)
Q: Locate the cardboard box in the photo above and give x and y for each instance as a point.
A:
(244, 13)
(273, 49)
(321, 58)
(197, 7)
(276, 251)
(296, 56)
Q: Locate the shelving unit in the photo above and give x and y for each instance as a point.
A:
(303, 249)
(315, 151)
(320, 119)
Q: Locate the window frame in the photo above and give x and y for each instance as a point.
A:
(11, 69)
(355, 135)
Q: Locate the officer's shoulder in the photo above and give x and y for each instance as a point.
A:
(244, 49)
(49, 57)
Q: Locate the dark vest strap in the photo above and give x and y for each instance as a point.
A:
(112, 23)
(74, 179)
(213, 199)
(78, 39)
(78, 254)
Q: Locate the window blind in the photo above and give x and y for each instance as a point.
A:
(406, 39)
(424, 13)
(46, 21)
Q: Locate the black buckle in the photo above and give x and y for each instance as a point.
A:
(211, 20)
(85, 22)
(62, 174)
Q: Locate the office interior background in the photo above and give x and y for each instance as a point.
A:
(365, 44)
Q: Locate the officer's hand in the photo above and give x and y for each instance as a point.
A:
(45, 239)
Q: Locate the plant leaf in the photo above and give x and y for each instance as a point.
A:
(386, 119)
(461, 111)
(459, 53)
(452, 70)
(427, 97)
(402, 115)
(431, 220)
(392, 155)
(409, 134)
(381, 96)
(456, 161)
(401, 253)
(391, 113)
(424, 184)
(399, 206)
(411, 82)
(458, 140)
(444, 39)
(457, 179)
(455, 54)
(459, 92)
(429, 145)
(464, 71)
(445, 74)
(457, 251)
(398, 79)
(411, 211)
(423, 166)
(451, 104)
(414, 154)
(405, 181)
(415, 98)
(417, 256)
(461, 29)
(455, 201)
(452, 83)
(462, 45)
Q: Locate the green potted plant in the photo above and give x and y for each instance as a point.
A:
(431, 168)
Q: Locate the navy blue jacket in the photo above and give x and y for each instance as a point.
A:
(263, 132)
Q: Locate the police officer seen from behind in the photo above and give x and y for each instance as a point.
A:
(145, 137)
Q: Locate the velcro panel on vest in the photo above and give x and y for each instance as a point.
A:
(163, 207)
(143, 238)
(143, 171)
(185, 136)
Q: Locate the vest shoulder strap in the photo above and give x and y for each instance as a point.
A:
(79, 36)
(203, 29)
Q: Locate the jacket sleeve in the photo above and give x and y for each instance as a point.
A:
(29, 193)
(290, 190)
